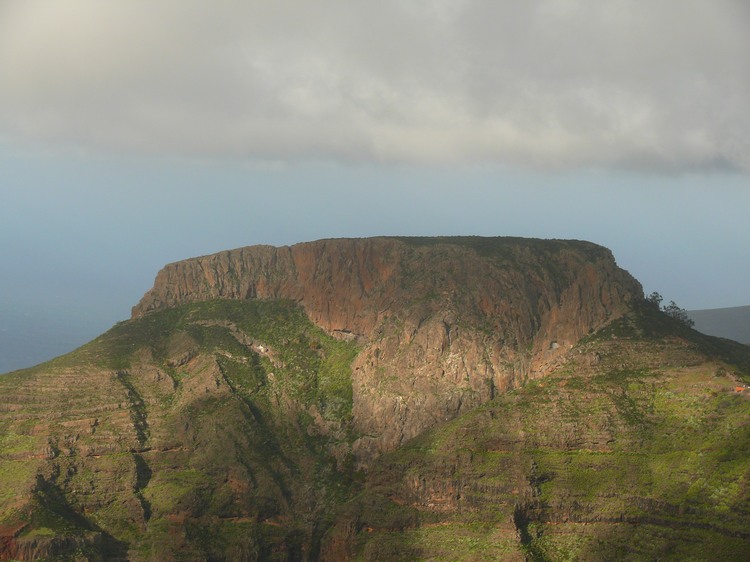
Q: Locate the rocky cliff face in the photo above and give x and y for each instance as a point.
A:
(227, 419)
(445, 323)
(618, 454)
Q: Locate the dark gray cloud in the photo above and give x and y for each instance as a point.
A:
(543, 84)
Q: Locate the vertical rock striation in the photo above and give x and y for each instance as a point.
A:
(445, 323)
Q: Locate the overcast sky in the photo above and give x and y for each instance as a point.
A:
(141, 132)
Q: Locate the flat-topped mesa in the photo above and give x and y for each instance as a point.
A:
(445, 323)
(353, 284)
(236, 428)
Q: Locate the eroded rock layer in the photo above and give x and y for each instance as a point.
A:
(445, 323)
(555, 414)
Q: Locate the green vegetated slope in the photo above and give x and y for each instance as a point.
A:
(217, 430)
(638, 448)
(222, 430)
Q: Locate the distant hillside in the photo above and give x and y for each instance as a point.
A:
(732, 323)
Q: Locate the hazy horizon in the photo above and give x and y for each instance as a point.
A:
(40, 333)
(233, 124)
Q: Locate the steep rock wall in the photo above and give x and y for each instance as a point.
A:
(445, 323)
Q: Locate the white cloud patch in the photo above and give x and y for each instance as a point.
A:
(546, 84)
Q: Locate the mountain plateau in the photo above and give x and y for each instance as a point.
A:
(386, 398)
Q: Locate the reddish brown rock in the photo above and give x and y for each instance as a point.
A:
(444, 323)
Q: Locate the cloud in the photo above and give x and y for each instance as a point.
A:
(543, 84)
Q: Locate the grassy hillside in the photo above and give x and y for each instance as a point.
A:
(638, 448)
(213, 430)
(222, 430)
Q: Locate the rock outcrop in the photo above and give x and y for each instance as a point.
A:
(445, 323)
(616, 455)
(228, 419)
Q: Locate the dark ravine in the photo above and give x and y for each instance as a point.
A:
(383, 399)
